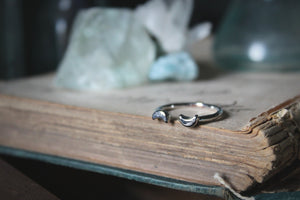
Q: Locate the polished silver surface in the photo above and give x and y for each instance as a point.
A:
(162, 113)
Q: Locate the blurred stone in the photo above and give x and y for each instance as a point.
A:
(108, 49)
(167, 21)
(197, 33)
(178, 66)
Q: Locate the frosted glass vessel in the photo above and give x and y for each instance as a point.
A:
(260, 35)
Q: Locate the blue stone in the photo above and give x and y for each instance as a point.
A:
(178, 66)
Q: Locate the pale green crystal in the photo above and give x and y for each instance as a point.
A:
(108, 49)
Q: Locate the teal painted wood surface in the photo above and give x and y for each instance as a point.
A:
(142, 177)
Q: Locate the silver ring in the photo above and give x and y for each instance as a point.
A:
(162, 113)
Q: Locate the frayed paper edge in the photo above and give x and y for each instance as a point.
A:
(227, 186)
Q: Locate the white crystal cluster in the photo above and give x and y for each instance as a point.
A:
(168, 20)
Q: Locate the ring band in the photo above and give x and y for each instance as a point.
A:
(162, 113)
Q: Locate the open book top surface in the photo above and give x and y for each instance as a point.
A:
(241, 95)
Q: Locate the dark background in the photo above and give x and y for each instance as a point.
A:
(30, 43)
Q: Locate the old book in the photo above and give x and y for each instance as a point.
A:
(112, 132)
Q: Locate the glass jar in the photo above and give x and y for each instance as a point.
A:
(260, 35)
